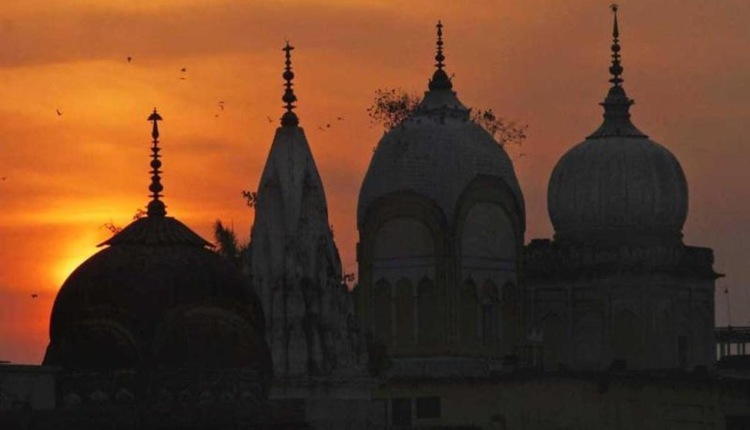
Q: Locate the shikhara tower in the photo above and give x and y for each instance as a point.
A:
(295, 266)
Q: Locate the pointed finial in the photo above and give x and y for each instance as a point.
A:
(440, 79)
(155, 207)
(289, 119)
(439, 57)
(615, 69)
(617, 103)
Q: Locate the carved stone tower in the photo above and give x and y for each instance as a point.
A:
(295, 265)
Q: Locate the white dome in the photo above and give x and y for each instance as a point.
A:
(436, 153)
(618, 185)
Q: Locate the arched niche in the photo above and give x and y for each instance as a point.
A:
(404, 310)
(404, 237)
(626, 337)
(510, 309)
(703, 335)
(431, 324)
(403, 247)
(490, 313)
(588, 335)
(98, 343)
(552, 332)
(382, 312)
(488, 233)
(488, 243)
(683, 341)
(469, 313)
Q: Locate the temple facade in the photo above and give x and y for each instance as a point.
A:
(441, 223)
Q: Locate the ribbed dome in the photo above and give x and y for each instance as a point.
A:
(618, 187)
(436, 153)
(136, 297)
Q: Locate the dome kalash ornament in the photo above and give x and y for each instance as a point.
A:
(618, 186)
(156, 297)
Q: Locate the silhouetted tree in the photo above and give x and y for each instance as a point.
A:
(392, 106)
(226, 243)
(251, 197)
(114, 229)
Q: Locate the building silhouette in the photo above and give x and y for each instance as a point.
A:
(455, 322)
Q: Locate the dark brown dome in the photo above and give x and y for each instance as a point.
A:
(157, 297)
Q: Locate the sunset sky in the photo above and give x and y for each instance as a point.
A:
(540, 62)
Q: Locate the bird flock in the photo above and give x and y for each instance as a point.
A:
(221, 104)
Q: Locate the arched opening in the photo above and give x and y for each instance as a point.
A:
(404, 303)
(382, 312)
(431, 324)
(588, 340)
(510, 311)
(627, 341)
(98, 344)
(490, 311)
(488, 244)
(468, 314)
(552, 330)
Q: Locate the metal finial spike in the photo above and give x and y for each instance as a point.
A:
(616, 68)
(439, 57)
(155, 207)
(615, 31)
(440, 79)
(154, 117)
(289, 119)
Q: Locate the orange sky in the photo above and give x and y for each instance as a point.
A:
(542, 62)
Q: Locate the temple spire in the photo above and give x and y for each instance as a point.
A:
(289, 119)
(440, 79)
(439, 57)
(155, 206)
(617, 103)
(616, 68)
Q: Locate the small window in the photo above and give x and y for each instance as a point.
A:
(428, 407)
(401, 412)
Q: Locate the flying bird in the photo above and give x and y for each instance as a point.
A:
(340, 118)
(58, 112)
(269, 118)
(183, 70)
(130, 59)
(4, 177)
(35, 295)
(328, 125)
(221, 105)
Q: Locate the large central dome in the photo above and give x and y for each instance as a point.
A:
(618, 186)
(436, 153)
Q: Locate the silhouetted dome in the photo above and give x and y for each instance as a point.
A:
(156, 297)
(618, 186)
(436, 153)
